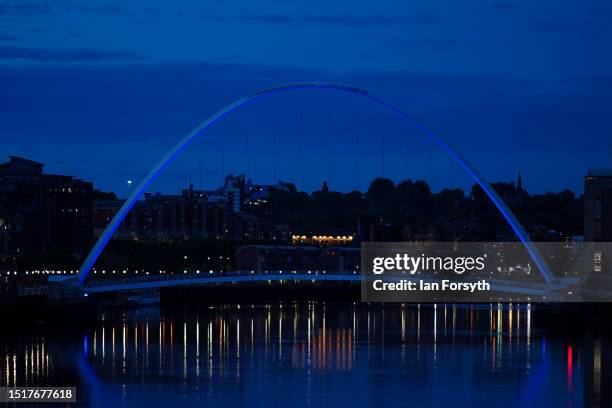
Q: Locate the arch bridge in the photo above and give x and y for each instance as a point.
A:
(170, 156)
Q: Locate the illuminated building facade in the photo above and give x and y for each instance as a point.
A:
(323, 239)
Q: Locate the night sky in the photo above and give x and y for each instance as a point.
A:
(102, 90)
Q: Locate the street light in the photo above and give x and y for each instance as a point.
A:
(129, 183)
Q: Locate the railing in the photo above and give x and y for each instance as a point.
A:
(229, 277)
(224, 277)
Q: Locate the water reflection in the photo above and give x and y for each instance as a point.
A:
(358, 354)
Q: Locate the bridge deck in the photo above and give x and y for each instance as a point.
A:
(156, 282)
(165, 281)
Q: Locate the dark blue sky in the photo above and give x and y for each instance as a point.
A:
(102, 89)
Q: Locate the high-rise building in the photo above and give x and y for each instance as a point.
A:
(598, 206)
(43, 211)
(231, 193)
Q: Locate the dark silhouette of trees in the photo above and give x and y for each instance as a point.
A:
(409, 210)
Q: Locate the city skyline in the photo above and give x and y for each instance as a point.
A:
(305, 202)
(189, 182)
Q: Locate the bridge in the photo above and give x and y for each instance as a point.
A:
(170, 156)
(500, 289)
(166, 281)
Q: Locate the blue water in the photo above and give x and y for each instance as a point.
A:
(312, 354)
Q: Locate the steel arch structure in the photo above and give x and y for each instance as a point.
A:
(242, 102)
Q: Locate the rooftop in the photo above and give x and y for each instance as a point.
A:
(20, 165)
(599, 173)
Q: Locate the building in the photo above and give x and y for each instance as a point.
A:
(232, 193)
(598, 206)
(3, 237)
(222, 213)
(103, 212)
(162, 217)
(262, 258)
(598, 223)
(323, 239)
(340, 259)
(43, 211)
(165, 217)
(298, 258)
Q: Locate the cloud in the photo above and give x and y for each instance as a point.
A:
(28, 8)
(65, 54)
(352, 20)
(265, 18)
(8, 37)
(344, 19)
(107, 9)
(55, 7)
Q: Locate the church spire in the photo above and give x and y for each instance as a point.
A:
(519, 183)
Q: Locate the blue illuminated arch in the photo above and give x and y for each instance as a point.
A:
(182, 144)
